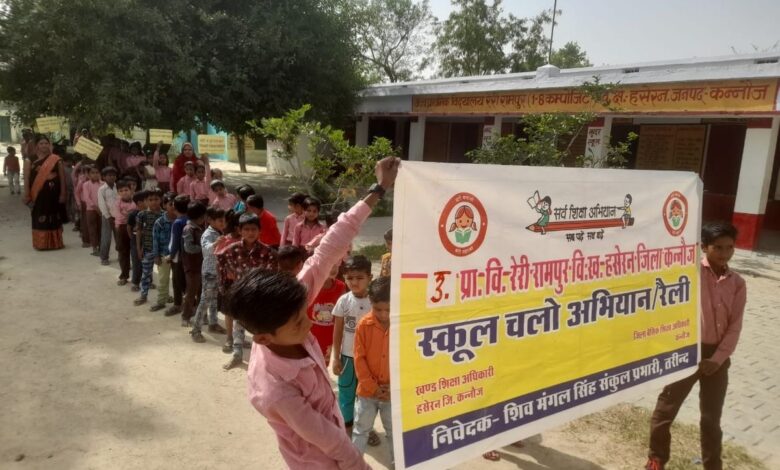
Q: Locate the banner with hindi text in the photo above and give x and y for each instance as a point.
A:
(525, 297)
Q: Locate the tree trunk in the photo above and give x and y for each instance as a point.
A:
(241, 152)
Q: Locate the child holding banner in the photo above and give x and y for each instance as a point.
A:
(288, 380)
(372, 367)
(723, 297)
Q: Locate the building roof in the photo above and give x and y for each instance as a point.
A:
(760, 65)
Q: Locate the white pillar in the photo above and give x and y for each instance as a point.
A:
(597, 140)
(417, 139)
(755, 175)
(361, 132)
(491, 131)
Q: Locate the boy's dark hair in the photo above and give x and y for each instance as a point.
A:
(231, 220)
(389, 235)
(170, 196)
(265, 300)
(244, 191)
(180, 203)
(121, 184)
(89, 168)
(311, 201)
(11, 150)
(379, 290)
(630, 199)
(109, 170)
(248, 218)
(289, 256)
(297, 198)
(255, 201)
(139, 196)
(711, 231)
(215, 184)
(547, 200)
(214, 213)
(357, 263)
(154, 192)
(196, 210)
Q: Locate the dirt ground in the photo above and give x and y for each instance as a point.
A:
(87, 380)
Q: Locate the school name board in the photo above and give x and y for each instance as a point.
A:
(721, 96)
(526, 297)
(664, 147)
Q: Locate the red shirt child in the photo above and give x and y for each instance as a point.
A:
(320, 311)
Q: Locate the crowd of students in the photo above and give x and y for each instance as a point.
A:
(219, 252)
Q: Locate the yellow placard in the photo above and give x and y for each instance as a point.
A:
(161, 135)
(249, 143)
(88, 147)
(213, 144)
(139, 134)
(721, 96)
(49, 123)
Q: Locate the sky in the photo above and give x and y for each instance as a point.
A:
(616, 32)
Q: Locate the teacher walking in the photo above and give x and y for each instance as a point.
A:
(45, 193)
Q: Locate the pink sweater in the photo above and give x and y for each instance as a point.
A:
(120, 210)
(722, 308)
(295, 395)
(289, 228)
(89, 194)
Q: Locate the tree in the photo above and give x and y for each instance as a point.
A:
(570, 56)
(479, 39)
(197, 61)
(471, 41)
(393, 36)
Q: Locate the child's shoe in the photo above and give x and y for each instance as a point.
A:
(217, 329)
(227, 348)
(185, 323)
(135, 288)
(173, 310)
(104, 262)
(235, 361)
(121, 282)
(139, 301)
(654, 464)
(95, 253)
(156, 308)
(198, 337)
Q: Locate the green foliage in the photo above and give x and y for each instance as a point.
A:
(480, 39)
(340, 171)
(372, 252)
(177, 64)
(548, 138)
(393, 36)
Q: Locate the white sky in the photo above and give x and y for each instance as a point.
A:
(627, 31)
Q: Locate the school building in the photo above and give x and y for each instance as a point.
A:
(718, 117)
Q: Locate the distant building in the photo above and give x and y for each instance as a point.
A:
(716, 116)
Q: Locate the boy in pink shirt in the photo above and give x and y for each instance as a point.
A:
(723, 297)
(122, 207)
(288, 381)
(219, 196)
(310, 227)
(295, 206)
(183, 185)
(89, 196)
(199, 187)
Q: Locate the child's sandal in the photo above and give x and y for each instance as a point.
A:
(373, 439)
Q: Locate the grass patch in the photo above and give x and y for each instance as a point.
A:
(372, 252)
(623, 432)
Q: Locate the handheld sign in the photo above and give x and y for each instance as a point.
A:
(88, 147)
(525, 297)
(139, 134)
(49, 124)
(213, 144)
(161, 135)
(249, 143)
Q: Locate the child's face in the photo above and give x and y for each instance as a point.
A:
(295, 331)
(218, 224)
(250, 233)
(463, 221)
(125, 194)
(200, 173)
(110, 178)
(296, 208)
(163, 160)
(94, 175)
(170, 209)
(141, 205)
(627, 202)
(153, 203)
(381, 311)
(189, 170)
(132, 186)
(312, 213)
(357, 281)
(545, 205)
(719, 252)
(676, 211)
(221, 191)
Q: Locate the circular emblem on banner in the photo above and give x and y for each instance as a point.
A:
(675, 213)
(463, 224)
